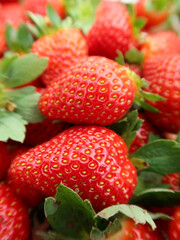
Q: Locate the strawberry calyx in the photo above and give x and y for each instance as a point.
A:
(158, 5)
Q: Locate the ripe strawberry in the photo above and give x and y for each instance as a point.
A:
(162, 72)
(111, 31)
(174, 231)
(172, 180)
(39, 6)
(153, 16)
(28, 194)
(161, 43)
(63, 48)
(92, 160)
(38, 133)
(4, 159)
(134, 67)
(142, 135)
(8, 1)
(12, 13)
(14, 216)
(131, 230)
(95, 90)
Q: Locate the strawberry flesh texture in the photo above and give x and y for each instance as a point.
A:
(96, 90)
(131, 230)
(4, 159)
(15, 222)
(39, 6)
(161, 43)
(91, 160)
(111, 31)
(162, 72)
(63, 48)
(174, 230)
(30, 196)
(12, 13)
(152, 17)
(142, 135)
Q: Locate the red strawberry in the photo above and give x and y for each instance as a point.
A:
(4, 159)
(12, 13)
(28, 194)
(134, 67)
(111, 31)
(132, 231)
(63, 48)
(15, 223)
(39, 6)
(91, 160)
(161, 43)
(37, 133)
(163, 74)
(174, 230)
(153, 16)
(95, 90)
(173, 180)
(142, 135)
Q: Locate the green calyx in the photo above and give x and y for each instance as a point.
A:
(141, 94)
(19, 105)
(158, 5)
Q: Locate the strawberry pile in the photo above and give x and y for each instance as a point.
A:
(89, 120)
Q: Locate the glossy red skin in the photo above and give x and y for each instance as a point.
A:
(174, 230)
(15, 222)
(97, 90)
(161, 43)
(153, 17)
(12, 13)
(4, 160)
(63, 48)
(172, 180)
(162, 72)
(38, 133)
(142, 135)
(111, 31)
(40, 6)
(130, 231)
(30, 196)
(92, 160)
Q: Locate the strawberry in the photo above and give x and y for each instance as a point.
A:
(12, 13)
(92, 160)
(111, 31)
(173, 180)
(39, 6)
(161, 43)
(155, 15)
(28, 194)
(3, 45)
(15, 222)
(8, 1)
(174, 231)
(142, 135)
(131, 230)
(162, 72)
(4, 159)
(37, 133)
(134, 67)
(95, 90)
(63, 48)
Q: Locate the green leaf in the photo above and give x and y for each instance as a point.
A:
(12, 126)
(96, 234)
(134, 56)
(40, 23)
(11, 37)
(147, 106)
(24, 38)
(120, 58)
(136, 213)
(127, 127)
(152, 96)
(178, 138)
(113, 228)
(153, 137)
(159, 215)
(140, 22)
(157, 197)
(5, 63)
(163, 156)
(54, 17)
(27, 107)
(24, 69)
(69, 215)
